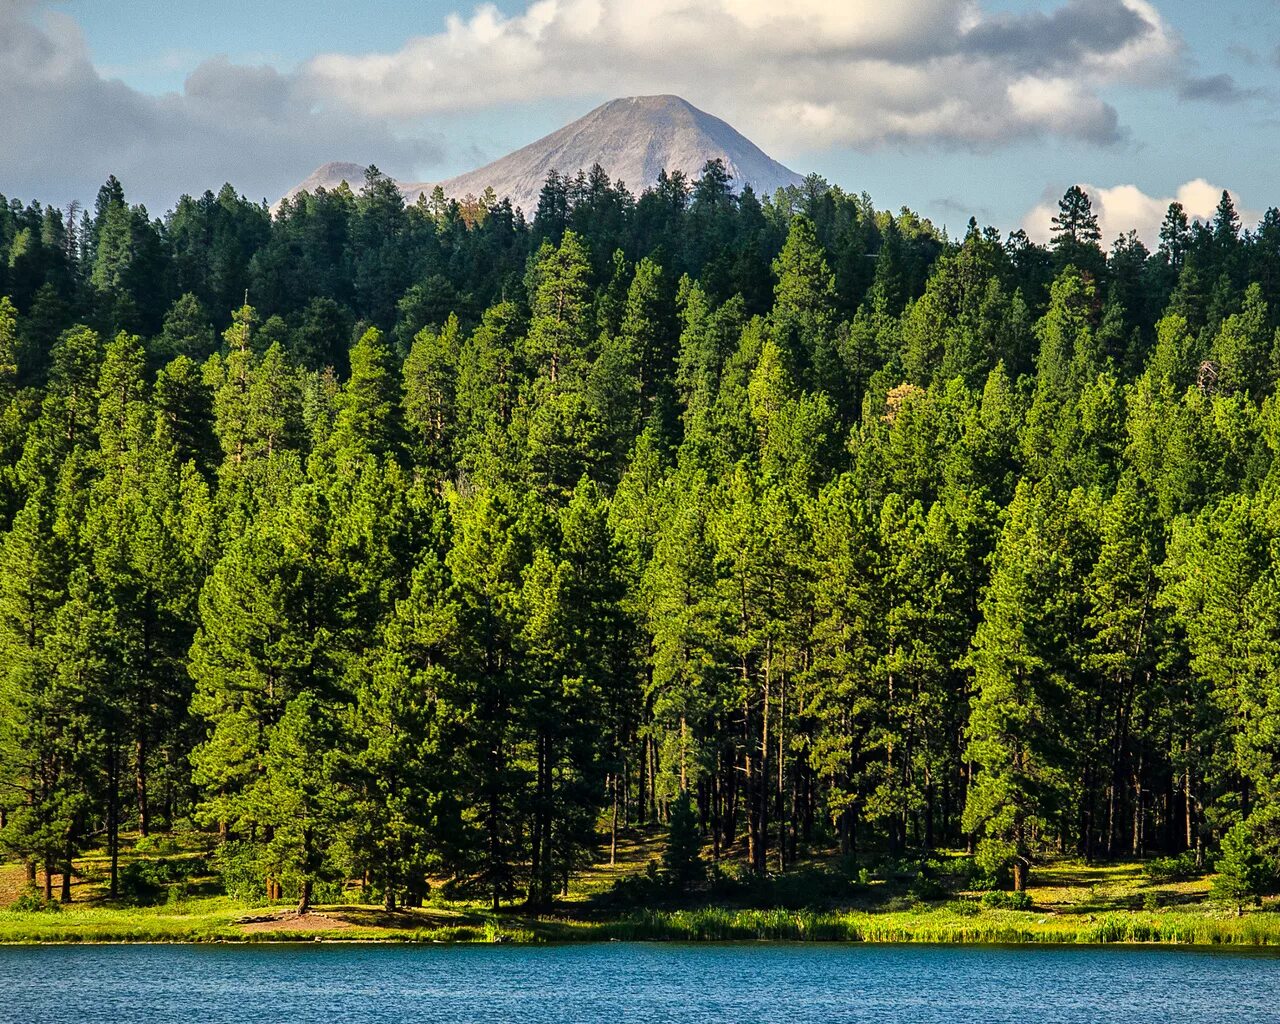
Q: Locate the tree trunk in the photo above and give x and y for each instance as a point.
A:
(304, 899)
(653, 772)
(762, 785)
(113, 816)
(613, 826)
(66, 869)
(140, 788)
(780, 805)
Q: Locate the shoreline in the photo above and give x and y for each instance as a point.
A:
(335, 925)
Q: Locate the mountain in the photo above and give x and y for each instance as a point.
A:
(330, 176)
(632, 139)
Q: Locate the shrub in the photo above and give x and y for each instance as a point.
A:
(156, 844)
(239, 865)
(682, 859)
(927, 889)
(329, 890)
(1245, 873)
(145, 881)
(904, 869)
(999, 899)
(962, 908)
(809, 886)
(31, 901)
(1172, 869)
(142, 881)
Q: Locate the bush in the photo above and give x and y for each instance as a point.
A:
(1245, 873)
(654, 886)
(682, 859)
(808, 887)
(978, 878)
(329, 890)
(962, 908)
(999, 899)
(156, 844)
(145, 881)
(239, 865)
(926, 889)
(905, 869)
(31, 901)
(1172, 869)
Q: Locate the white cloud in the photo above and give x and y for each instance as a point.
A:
(1123, 208)
(807, 75)
(67, 126)
(812, 73)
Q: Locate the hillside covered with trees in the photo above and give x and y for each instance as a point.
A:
(431, 543)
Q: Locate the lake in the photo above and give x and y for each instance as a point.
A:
(708, 984)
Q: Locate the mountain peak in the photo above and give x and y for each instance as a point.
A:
(633, 138)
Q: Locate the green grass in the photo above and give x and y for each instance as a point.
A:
(219, 920)
(939, 925)
(1072, 903)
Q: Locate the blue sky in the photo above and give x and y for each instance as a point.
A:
(952, 107)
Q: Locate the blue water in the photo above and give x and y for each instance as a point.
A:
(778, 984)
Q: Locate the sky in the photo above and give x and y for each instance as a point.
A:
(989, 108)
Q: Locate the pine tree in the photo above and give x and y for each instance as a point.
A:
(369, 412)
(32, 589)
(1076, 233)
(490, 549)
(1125, 642)
(187, 330)
(430, 396)
(1245, 874)
(842, 688)
(9, 348)
(682, 857)
(407, 717)
(1019, 732)
(804, 305)
(269, 646)
(1243, 348)
(557, 346)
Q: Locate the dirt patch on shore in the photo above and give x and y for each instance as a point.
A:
(291, 921)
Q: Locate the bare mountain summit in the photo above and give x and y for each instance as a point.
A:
(633, 139)
(330, 176)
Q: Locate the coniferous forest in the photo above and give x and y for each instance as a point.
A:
(429, 544)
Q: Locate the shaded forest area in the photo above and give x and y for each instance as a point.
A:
(431, 543)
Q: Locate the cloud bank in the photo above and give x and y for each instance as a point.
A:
(811, 75)
(1124, 208)
(66, 126)
(808, 74)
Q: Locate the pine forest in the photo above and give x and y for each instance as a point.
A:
(427, 547)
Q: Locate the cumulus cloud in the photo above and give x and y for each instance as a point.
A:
(1214, 89)
(67, 126)
(810, 73)
(1124, 208)
(807, 75)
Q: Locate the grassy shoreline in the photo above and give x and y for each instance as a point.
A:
(218, 921)
(1073, 903)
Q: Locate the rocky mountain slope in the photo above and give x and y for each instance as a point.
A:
(633, 139)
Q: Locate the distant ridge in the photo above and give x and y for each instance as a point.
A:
(633, 139)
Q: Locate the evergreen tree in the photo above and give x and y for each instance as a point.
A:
(1019, 736)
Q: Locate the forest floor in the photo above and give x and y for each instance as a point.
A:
(819, 899)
